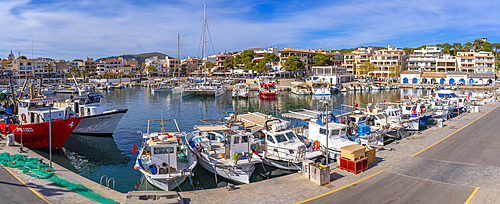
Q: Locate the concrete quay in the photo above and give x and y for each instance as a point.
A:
(27, 189)
(454, 164)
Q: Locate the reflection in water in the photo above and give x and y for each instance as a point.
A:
(100, 151)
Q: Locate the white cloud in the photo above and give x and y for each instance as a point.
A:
(77, 29)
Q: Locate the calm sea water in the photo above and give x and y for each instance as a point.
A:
(93, 157)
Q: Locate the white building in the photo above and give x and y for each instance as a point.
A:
(410, 77)
(424, 59)
(476, 62)
(334, 75)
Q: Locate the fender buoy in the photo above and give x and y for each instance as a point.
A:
(8, 130)
(135, 167)
(23, 117)
(223, 155)
(315, 145)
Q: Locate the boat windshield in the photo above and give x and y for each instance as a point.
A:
(280, 138)
(290, 135)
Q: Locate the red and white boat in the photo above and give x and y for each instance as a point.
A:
(31, 124)
(267, 88)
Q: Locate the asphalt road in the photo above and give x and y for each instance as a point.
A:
(393, 188)
(447, 172)
(478, 143)
(13, 191)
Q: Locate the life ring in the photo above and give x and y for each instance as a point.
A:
(315, 145)
(223, 155)
(8, 130)
(23, 117)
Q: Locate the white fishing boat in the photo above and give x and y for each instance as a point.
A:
(276, 144)
(96, 118)
(317, 123)
(300, 89)
(161, 88)
(227, 153)
(318, 86)
(241, 91)
(205, 89)
(164, 158)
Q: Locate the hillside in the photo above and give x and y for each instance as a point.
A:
(139, 57)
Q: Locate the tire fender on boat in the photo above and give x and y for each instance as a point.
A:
(23, 117)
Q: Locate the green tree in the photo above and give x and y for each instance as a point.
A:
(270, 58)
(294, 64)
(456, 47)
(150, 69)
(394, 71)
(22, 57)
(365, 68)
(80, 60)
(74, 71)
(107, 76)
(84, 73)
(228, 64)
(321, 59)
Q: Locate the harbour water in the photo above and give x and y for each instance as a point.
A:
(93, 157)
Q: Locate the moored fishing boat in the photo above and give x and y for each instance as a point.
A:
(241, 91)
(164, 158)
(267, 89)
(31, 124)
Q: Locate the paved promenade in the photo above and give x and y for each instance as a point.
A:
(14, 191)
(456, 166)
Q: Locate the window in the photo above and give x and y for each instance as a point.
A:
(236, 140)
(244, 139)
(270, 138)
(280, 138)
(334, 132)
(322, 131)
(163, 150)
(290, 135)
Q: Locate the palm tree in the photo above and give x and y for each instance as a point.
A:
(120, 74)
(74, 71)
(107, 75)
(48, 69)
(84, 72)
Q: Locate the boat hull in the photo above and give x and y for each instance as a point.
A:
(226, 172)
(267, 94)
(101, 124)
(37, 135)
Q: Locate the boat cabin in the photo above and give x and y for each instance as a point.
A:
(88, 105)
(163, 151)
(37, 110)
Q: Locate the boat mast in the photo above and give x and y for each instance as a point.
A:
(178, 59)
(204, 54)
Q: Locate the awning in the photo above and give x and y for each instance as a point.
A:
(302, 115)
(211, 128)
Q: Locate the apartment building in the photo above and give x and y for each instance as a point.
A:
(424, 60)
(355, 58)
(304, 56)
(388, 62)
(219, 60)
(189, 66)
(476, 62)
(164, 67)
(446, 63)
(90, 65)
(76, 64)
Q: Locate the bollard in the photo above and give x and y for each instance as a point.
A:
(440, 123)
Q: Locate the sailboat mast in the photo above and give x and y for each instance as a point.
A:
(178, 59)
(205, 36)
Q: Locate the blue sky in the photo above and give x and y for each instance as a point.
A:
(76, 29)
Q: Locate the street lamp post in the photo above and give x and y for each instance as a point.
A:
(326, 103)
(50, 133)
